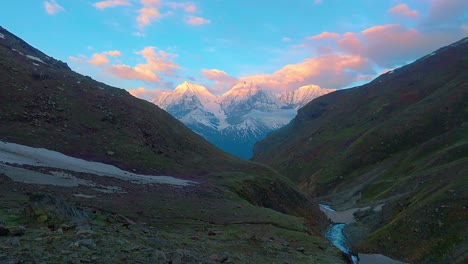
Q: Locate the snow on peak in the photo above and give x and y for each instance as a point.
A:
(241, 90)
(192, 88)
(303, 95)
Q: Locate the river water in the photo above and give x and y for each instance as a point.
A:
(336, 236)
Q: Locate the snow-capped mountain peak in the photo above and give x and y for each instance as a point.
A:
(235, 120)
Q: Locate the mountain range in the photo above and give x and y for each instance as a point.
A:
(237, 119)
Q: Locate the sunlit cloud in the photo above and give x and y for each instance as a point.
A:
(144, 93)
(333, 70)
(113, 53)
(188, 7)
(157, 62)
(52, 7)
(98, 59)
(223, 81)
(324, 35)
(445, 14)
(134, 73)
(196, 21)
(111, 3)
(402, 10)
(147, 15)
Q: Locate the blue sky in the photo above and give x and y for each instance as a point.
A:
(148, 45)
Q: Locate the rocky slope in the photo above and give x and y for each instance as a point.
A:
(237, 119)
(45, 105)
(400, 140)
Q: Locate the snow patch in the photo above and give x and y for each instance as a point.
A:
(21, 53)
(35, 58)
(2, 36)
(35, 64)
(23, 155)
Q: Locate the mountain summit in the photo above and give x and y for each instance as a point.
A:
(237, 119)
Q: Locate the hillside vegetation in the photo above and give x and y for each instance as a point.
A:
(401, 140)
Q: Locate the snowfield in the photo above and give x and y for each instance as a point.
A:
(11, 153)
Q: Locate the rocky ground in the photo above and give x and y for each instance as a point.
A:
(51, 224)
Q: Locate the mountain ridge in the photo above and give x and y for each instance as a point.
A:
(399, 141)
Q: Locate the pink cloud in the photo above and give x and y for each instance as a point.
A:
(52, 7)
(113, 53)
(148, 15)
(350, 42)
(143, 93)
(160, 61)
(223, 81)
(188, 7)
(111, 3)
(445, 12)
(318, 2)
(156, 62)
(388, 45)
(332, 70)
(402, 10)
(196, 21)
(324, 35)
(151, 2)
(98, 59)
(134, 73)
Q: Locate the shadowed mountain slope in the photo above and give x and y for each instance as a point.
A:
(402, 140)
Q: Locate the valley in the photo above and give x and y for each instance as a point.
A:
(265, 167)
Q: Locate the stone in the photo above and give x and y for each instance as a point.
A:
(4, 231)
(87, 243)
(220, 258)
(157, 256)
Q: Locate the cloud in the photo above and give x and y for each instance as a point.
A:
(223, 81)
(188, 7)
(196, 21)
(318, 2)
(113, 53)
(52, 7)
(111, 3)
(445, 14)
(156, 62)
(286, 39)
(148, 15)
(402, 10)
(332, 70)
(351, 43)
(134, 73)
(98, 59)
(143, 93)
(324, 35)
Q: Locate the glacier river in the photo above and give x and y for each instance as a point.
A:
(336, 236)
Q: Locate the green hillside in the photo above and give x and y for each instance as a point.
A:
(400, 140)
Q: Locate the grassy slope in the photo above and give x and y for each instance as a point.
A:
(53, 107)
(405, 133)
